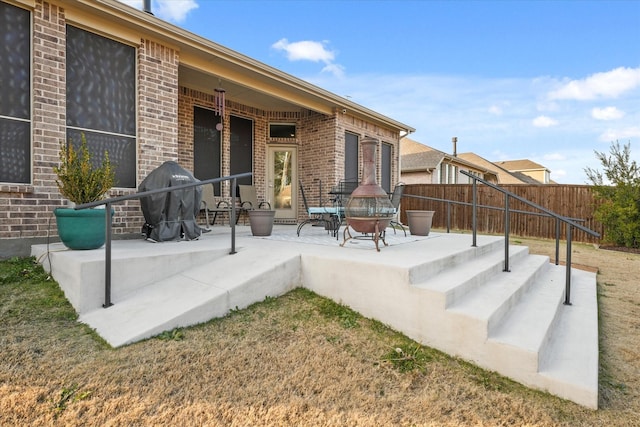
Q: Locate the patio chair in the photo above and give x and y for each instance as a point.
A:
(396, 196)
(329, 216)
(249, 200)
(210, 206)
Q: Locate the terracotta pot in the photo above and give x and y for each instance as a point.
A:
(261, 221)
(419, 222)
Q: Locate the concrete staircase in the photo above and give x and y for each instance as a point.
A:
(439, 291)
(464, 304)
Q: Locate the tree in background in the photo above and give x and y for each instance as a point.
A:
(619, 199)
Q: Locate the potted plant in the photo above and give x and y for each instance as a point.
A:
(80, 181)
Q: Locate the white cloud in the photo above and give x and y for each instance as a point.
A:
(611, 135)
(335, 69)
(306, 50)
(607, 113)
(309, 50)
(173, 10)
(544, 122)
(610, 84)
(169, 10)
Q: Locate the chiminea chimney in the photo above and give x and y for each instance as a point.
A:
(454, 140)
(146, 6)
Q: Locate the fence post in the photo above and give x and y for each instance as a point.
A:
(448, 216)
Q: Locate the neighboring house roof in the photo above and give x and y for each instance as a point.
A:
(520, 165)
(524, 178)
(425, 161)
(504, 176)
(526, 167)
(409, 146)
(416, 157)
(205, 65)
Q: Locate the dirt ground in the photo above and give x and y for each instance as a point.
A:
(297, 360)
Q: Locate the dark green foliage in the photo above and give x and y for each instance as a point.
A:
(79, 180)
(619, 203)
(21, 270)
(343, 314)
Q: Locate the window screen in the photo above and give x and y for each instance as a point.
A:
(385, 167)
(241, 148)
(15, 94)
(101, 99)
(350, 157)
(206, 146)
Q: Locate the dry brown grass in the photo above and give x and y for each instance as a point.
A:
(296, 360)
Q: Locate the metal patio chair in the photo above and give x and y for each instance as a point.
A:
(249, 200)
(329, 216)
(396, 196)
(211, 207)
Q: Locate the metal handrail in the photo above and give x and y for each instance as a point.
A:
(570, 223)
(108, 202)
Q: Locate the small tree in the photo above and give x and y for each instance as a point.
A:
(79, 180)
(619, 208)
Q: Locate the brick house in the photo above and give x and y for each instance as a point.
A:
(145, 91)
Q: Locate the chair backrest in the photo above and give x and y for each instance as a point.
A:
(396, 196)
(304, 198)
(207, 196)
(247, 194)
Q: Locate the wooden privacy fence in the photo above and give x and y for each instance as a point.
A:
(572, 201)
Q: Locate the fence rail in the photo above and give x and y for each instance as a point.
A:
(569, 201)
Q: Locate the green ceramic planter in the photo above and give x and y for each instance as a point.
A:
(81, 229)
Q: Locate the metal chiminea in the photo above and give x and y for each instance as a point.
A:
(369, 209)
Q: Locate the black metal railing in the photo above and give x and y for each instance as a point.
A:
(570, 223)
(109, 202)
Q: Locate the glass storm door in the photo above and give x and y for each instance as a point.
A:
(282, 181)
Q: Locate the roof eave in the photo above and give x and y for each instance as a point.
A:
(195, 44)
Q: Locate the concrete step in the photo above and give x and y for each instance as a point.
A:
(458, 281)
(482, 309)
(196, 295)
(518, 342)
(441, 261)
(135, 264)
(569, 365)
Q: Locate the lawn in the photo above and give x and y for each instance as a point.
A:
(295, 360)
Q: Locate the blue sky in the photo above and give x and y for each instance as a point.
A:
(550, 81)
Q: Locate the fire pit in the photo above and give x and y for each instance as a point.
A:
(369, 209)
